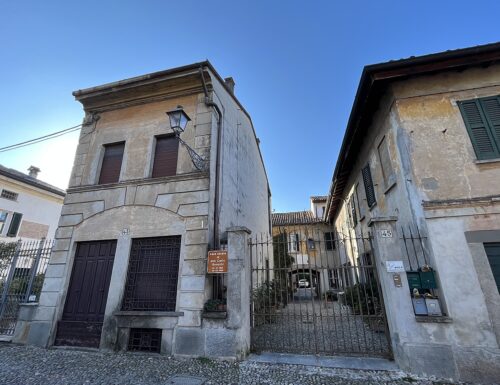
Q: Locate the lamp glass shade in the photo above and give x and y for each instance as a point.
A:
(178, 119)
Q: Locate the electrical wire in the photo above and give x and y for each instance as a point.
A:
(41, 139)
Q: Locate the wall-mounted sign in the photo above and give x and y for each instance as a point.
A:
(395, 266)
(217, 262)
(397, 280)
(386, 233)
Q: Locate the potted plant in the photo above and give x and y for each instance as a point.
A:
(215, 305)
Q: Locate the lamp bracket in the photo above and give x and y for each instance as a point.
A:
(200, 163)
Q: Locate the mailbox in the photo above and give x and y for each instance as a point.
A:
(428, 279)
(413, 280)
(419, 306)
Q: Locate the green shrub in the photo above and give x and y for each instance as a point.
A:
(363, 299)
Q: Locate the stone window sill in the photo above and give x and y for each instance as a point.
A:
(485, 161)
(433, 319)
(149, 313)
(214, 314)
(389, 188)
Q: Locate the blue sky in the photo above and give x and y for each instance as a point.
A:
(296, 65)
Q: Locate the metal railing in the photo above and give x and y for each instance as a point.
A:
(22, 272)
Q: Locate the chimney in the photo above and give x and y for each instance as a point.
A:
(33, 171)
(230, 84)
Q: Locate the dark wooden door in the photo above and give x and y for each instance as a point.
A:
(83, 314)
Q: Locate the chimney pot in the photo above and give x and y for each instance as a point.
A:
(33, 171)
(230, 83)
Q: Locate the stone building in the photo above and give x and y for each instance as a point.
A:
(419, 168)
(311, 244)
(144, 205)
(29, 207)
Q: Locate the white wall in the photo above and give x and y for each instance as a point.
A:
(244, 186)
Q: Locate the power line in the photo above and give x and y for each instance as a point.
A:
(41, 139)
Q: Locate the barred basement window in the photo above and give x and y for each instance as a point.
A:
(145, 340)
(152, 274)
(10, 195)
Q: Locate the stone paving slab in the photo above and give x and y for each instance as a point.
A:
(26, 365)
(361, 363)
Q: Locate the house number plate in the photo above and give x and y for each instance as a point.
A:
(386, 233)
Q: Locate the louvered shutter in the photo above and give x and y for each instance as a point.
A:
(491, 109)
(479, 131)
(368, 182)
(14, 224)
(165, 160)
(111, 163)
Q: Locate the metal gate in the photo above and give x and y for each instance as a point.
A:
(316, 292)
(22, 272)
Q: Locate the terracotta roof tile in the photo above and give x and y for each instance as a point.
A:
(294, 218)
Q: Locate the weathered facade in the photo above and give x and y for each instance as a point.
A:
(29, 207)
(419, 168)
(160, 216)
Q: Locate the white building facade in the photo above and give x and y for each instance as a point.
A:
(29, 207)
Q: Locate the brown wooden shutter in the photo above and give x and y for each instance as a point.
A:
(111, 163)
(165, 162)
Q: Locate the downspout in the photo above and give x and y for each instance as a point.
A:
(210, 103)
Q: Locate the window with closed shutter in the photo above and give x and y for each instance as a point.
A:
(14, 224)
(368, 182)
(111, 163)
(165, 159)
(493, 254)
(482, 119)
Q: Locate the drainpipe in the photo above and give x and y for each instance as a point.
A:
(210, 103)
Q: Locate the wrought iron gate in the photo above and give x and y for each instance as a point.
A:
(22, 271)
(316, 292)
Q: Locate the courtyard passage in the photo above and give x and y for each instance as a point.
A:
(23, 365)
(309, 325)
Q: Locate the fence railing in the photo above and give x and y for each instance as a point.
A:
(22, 272)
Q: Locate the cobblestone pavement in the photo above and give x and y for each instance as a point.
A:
(22, 365)
(308, 326)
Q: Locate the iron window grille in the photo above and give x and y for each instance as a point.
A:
(10, 195)
(152, 274)
(145, 340)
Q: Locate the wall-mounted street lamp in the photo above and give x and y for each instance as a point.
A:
(178, 121)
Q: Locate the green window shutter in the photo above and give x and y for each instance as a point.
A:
(368, 182)
(491, 109)
(493, 254)
(14, 224)
(479, 130)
